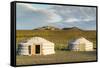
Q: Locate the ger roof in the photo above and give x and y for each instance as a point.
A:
(79, 40)
(36, 40)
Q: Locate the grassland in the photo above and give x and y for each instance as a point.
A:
(61, 39)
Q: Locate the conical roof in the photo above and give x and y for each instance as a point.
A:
(37, 40)
(80, 40)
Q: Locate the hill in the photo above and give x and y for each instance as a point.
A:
(47, 28)
(72, 28)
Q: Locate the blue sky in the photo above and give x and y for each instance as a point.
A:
(31, 16)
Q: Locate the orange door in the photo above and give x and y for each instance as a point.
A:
(33, 50)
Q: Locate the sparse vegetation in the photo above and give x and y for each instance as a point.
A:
(60, 57)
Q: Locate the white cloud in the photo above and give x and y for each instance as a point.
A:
(75, 13)
(57, 15)
(52, 16)
(72, 20)
(25, 5)
(48, 16)
(88, 19)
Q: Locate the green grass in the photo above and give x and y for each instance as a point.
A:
(59, 57)
(59, 37)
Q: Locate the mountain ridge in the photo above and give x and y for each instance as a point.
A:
(57, 28)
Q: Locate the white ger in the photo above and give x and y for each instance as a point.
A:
(36, 46)
(80, 44)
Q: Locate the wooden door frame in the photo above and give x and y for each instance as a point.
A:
(35, 49)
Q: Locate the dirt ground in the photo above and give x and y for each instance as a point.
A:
(58, 57)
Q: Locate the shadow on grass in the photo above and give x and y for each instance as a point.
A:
(65, 49)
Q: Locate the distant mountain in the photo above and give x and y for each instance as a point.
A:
(47, 28)
(56, 28)
(72, 29)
